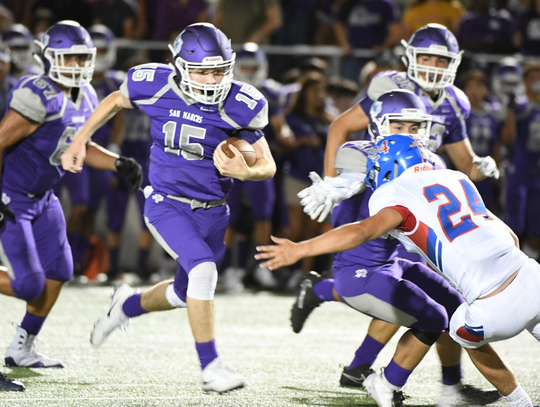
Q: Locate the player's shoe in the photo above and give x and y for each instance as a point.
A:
(114, 318)
(22, 352)
(232, 280)
(355, 377)
(265, 278)
(466, 395)
(219, 378)
(380, 390)
(7, 384)
(306, 301)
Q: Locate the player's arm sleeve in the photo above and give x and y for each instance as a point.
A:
(383, 197)
(260, 121)
(353, 156)
(457, 133)
(251, 136)
(28, 104)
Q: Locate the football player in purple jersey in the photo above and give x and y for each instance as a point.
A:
(44, 114)
(375, 278)
(6, 80)
(523, 169)
(194, 105)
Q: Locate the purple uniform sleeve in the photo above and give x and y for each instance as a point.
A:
(143, 82)
(462, 108)
(245, 107)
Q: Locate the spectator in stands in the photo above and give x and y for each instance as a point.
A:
(298, 22)
(422, 12)
(527, 30)
(486, 29)
(309, 122)
(368, 25)
(172, 16)
(342, 92)
(118, 15)
(78, 10)
(248, 20)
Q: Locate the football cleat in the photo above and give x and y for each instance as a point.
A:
(306, 301)
(7, 384)
(466, 395)
(382, 392)
(219, 378)
(22, 352)
(114, 318)
(355, 377)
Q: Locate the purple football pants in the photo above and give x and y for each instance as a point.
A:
(35, 244)
(403, 293)
(191, 237)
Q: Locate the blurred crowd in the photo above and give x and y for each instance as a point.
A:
(303, 101)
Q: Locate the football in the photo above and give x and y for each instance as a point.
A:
(243, 146)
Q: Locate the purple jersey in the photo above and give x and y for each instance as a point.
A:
(185, 133)
(492, 31)
(525, 158)
(110, 83)
(367, 21)
(449, 111)
(5, 90)
(32, 166)
(528, 26)
(483, 126)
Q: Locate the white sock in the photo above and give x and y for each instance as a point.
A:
(518, 398)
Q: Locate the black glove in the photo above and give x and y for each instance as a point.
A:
(5, 211)
(131, 171)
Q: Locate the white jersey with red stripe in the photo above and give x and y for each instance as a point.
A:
(445, 220)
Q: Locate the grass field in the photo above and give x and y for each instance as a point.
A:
(155, 363)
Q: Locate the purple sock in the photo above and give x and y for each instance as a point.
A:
(396, 375)
(367, 352)
(324, 290)
(207, 352)
(132, 306)
(32, 323)
(451, 374)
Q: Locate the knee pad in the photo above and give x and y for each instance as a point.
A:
(173, 298)
(30, 287)
(202, 281)
(427, 338)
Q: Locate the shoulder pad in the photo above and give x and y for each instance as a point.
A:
(352, 156)
(387, 81)
(144, 81)
(245, 107)
(462, 101)
(33, 96)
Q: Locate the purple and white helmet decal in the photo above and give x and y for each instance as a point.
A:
(67, 39)
(432, 39)
(200, 47)
(398, 105)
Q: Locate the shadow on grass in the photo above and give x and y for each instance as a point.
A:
(22, 372)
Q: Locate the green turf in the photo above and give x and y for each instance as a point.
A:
(154, 363)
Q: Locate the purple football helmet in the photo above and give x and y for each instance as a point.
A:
(398, 105)
(68, 38)
(19, 40)
(200, 47)
(251, 65)
(394, 155)
(104, 41)
(432, 39)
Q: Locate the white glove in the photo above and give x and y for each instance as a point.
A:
(319, 199)
(487, 166)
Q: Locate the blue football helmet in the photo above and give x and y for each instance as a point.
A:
(19, 40)
(104, 41)
(251, 65)
(398, 105)
(67, 38)
(392, 156)
(203, 46)
(432, 39)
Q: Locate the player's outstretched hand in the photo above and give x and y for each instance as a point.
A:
(131, 171)
(73, 158)
(235, 167)
(317, 198)
(5, 211)
(283, 253)
(487, 166)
